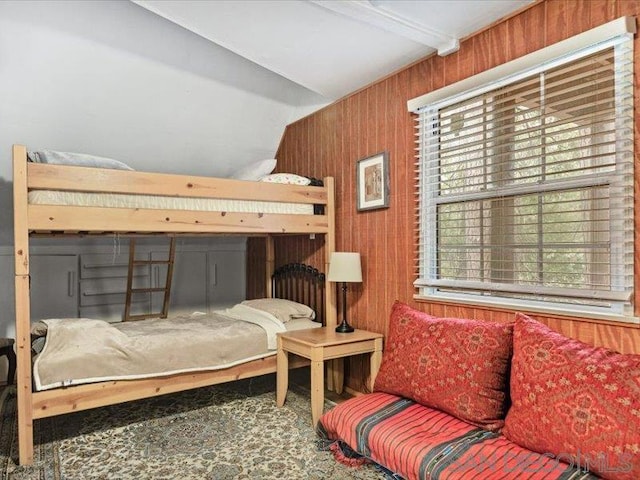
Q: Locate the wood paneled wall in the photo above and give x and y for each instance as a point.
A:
(375, 119)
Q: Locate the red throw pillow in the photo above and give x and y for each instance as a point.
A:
(574, 401)
(457, 366)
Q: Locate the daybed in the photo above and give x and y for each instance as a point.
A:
(63, 200)
(441, 409)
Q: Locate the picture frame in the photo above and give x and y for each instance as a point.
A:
(372, 182)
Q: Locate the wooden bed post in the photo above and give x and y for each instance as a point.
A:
(271, 263)
(23, 334)
(329, 248)
(335, 368)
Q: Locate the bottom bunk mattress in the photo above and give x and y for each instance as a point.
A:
(81, 350)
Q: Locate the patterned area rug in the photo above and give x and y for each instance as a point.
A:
(230, 431)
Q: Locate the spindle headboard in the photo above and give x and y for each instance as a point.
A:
(301, 283)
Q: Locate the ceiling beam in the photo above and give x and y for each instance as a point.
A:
(373, 13)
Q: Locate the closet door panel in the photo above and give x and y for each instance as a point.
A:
(54, 286)
(54, 289)
(227, 278)
(7, 295)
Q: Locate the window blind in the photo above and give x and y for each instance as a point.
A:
(525, 190)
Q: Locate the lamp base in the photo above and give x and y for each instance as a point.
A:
(344, 327)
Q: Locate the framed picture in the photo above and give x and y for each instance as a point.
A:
(372, 174)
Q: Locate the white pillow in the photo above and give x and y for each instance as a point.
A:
(283, 310)
(76, 159)
(255, 170)
(288, 178)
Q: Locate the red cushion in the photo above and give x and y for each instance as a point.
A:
(574, 401)
(458, 366)
(421, 443)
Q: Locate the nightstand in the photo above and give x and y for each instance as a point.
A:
(318, 345)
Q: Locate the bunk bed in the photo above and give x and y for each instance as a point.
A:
(61, 218)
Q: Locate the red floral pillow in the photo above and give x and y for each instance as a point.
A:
(457, 366)
(574, 401)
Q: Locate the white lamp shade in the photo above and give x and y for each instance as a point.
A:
(345, 267)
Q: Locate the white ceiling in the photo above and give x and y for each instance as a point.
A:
(112, 79)
(202, 87)
(334, 47)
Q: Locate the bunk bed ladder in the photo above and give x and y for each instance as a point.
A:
(167, 285)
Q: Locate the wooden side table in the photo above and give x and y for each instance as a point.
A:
(318, 345)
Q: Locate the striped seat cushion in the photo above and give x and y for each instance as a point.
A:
(419, 442)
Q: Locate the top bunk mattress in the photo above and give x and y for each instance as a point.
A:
(157, 202)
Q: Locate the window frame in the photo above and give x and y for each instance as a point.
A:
(428, 283)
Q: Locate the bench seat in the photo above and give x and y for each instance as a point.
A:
(418, 442)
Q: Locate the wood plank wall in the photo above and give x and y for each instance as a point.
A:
(375, 119)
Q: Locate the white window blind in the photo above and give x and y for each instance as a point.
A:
(526, 186)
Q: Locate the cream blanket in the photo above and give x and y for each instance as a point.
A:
(83, 350)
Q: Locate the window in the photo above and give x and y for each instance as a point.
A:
(526, 187)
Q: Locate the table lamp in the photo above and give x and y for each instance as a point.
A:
(344, 267)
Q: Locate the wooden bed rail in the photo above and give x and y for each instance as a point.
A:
(100, 180)
(50, 403)
(80, 220)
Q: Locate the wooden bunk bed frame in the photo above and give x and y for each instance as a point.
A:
(35, 219)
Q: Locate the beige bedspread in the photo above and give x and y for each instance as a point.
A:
(83, 350)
